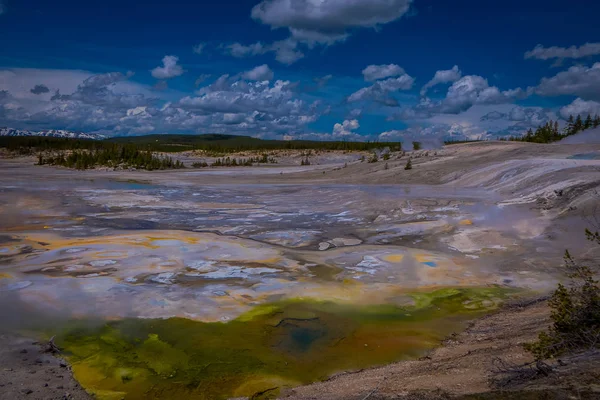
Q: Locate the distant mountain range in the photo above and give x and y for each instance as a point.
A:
(51, 133)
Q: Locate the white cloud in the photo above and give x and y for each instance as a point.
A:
(75, 99)
(546, 53)
(578, 80)
(316, 22)
(346, 128)
(463, 94)
(256, 107)
(170, 68)
(286, 51)
(580, 107)
(199, 48)
(380, 91)
(442, 76)
(227, 95)
(375, 72)
(533, 115)
(137, 111)
(259, 73)
(327, 21)
(111, 104)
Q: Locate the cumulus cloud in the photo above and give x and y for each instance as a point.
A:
(547, 53)
(580, 107)
(442, 76)
(578, 80)
(327, 21)
(259, 73)
(533, 115)
(170, 68)
(40, 89)
(111, 104)
(346, 129)
(256, 106)
(381, 90)
(286, 51)
(230, 95)
(376, 72)
(463, 94)
(199, 48)
(316, 22)
(98, 101)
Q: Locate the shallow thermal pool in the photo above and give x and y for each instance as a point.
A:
(178, 291)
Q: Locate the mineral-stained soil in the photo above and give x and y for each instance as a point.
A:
(476, 361)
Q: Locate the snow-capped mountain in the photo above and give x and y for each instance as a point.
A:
(51, 133)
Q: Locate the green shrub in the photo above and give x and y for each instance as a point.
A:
(408, 164)
(575, 312)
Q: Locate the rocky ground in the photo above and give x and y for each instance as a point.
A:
(482, 359)
(29, 372)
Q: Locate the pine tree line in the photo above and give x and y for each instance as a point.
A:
(240, 162)
(550, 132)
(113, 156)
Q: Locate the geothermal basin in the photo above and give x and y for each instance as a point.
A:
(164, 287)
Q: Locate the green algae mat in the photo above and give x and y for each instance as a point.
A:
(272, 347)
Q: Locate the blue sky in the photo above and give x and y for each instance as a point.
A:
(322, 69)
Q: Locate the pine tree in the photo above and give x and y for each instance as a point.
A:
(408, 164)
(578, 127)
(588, 122)
(528, 135)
